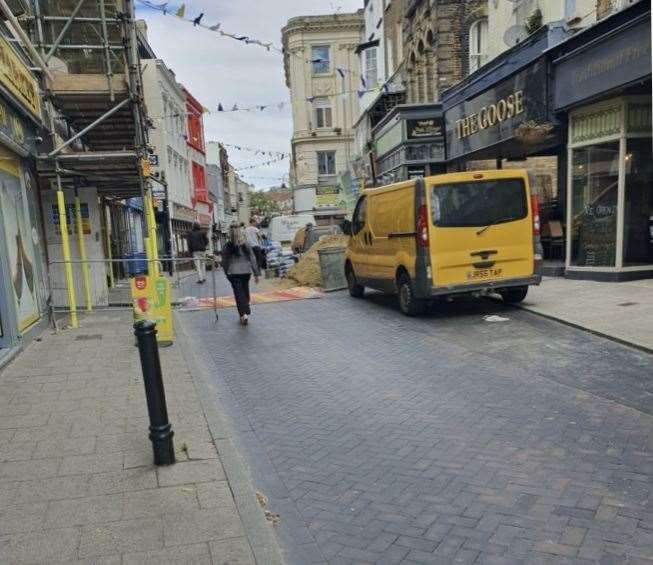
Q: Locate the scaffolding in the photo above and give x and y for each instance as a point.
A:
(87, 52)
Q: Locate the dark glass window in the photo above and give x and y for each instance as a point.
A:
(479, 203)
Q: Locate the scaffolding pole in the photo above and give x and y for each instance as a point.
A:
(86, 280)
(64, 29)
(65, 249)
(107, 52)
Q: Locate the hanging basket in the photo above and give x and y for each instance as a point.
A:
(532, 132)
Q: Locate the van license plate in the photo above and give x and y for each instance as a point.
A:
(481, 274)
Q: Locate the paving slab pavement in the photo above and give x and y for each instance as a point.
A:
(77, 483)
(622, 311)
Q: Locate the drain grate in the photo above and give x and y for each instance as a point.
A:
(88, 337)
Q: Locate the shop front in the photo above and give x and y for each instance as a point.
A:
(602, 88)
(409, 143)
(500, 117)
(23, 273)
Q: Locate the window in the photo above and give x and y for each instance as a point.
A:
(478, 203)
(195, 135)
(320, 58)
(358, 218)
(326, 163)
(594, 182)
(477, 45)
(638, 205)
(323, 117)
(200, 192)
(370, 67)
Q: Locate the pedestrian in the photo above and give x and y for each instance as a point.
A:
(253, 235)
(239, 262)
(197, 244)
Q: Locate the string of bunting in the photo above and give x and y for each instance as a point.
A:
(263, 164)
(180, 12)
(280, 105)
(255, 150)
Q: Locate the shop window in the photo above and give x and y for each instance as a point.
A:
(320, 59)
(477, 45)
(326, 163)
(370, 67)
(323, 114)
(638, 210)
(594, 187)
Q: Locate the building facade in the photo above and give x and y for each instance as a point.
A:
(196, 151)
(166, 104)
(570, 102)
(24, 284)
(321, 69)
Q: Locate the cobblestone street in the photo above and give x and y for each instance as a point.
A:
(443, 439)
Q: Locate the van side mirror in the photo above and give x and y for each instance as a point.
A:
(346, 227)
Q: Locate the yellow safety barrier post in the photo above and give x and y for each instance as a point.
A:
(68, 268)
(151, 234)
(82, 254)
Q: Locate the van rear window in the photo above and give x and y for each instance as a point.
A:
(478, 203)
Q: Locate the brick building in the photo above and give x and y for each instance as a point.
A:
(437, 36)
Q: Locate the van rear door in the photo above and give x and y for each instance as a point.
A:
(481, 228)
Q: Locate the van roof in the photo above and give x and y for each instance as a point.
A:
(452, 177)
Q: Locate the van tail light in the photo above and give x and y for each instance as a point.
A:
(422, 227)
(535, 210)
(537, 245)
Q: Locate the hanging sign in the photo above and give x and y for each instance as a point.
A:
(152, 301)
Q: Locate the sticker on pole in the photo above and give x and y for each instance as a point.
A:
(151, 298)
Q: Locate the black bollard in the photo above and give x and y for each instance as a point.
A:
(160, 429)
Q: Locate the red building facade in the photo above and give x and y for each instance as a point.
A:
(197, 157)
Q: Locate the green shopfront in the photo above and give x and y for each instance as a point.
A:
(602, 86)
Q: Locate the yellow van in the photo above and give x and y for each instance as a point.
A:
(472, 232)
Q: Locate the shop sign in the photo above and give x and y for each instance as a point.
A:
(492, 116)
(609, 64)
(327, 196)
(425, 127)
(183, 213)
(151, 301)
(153, 159)
(15, 129)
(18, 80)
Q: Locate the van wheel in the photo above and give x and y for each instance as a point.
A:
(408, 304)
(356, 290)
(514, 295)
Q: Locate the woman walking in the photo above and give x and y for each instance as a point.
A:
(239, 262)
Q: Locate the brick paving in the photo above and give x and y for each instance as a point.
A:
(77, 483)
(445, 439)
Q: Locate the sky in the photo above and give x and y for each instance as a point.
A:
(221, 70)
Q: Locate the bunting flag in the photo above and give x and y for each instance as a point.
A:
(198, 19)
(220, 108)
(181, 11)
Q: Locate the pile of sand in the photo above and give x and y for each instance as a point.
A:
(307, 271)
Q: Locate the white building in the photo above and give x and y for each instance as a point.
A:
(166, 106)
(321, 68)
(509, 23)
